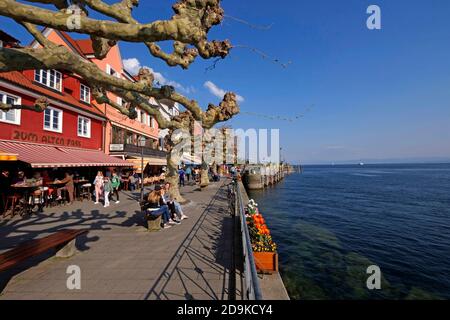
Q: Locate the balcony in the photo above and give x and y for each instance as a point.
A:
(133, 149)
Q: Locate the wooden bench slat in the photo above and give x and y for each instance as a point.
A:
(56, 238)
(36, 247)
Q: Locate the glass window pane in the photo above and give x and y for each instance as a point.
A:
(37, 75)
(47, 119)
(11, 115)
(10, 100)
(44, 77)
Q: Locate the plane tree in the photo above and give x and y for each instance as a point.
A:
(187, 30)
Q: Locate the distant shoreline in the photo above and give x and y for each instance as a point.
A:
(372, 164)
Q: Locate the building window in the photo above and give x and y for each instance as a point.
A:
(138, 115)
(143, 117)
(10, 116)
(84, 127)
(152, 122)
(49, 78)
(129, 138)
(85, 93)
(53, 119)
(118, 135)
(120, 101)
(112, 72)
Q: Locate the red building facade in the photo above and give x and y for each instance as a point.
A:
(67, 122)
(68, 133)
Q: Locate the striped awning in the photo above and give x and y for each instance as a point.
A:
(47, 156)
(136, 162)
(187, 158)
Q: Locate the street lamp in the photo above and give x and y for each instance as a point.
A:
(141, 143)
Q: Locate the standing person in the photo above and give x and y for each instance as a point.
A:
(188, 174)
(197, 174)
(107, 187)
(98, 183)
(233, 171)
(181, 174)
(115, 181)
(68, 185)
(5, 188)
(137, 180)
(132, 182)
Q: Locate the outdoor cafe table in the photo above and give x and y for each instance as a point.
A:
(26, 191)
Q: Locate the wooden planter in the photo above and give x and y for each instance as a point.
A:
(266, 262)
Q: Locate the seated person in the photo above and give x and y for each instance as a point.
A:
(38, 194)
(174, 206)
(156, 206)
(20, 178)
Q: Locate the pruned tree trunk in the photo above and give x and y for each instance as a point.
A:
(173, 160)
(204, 177)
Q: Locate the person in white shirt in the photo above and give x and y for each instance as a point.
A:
(173, 205)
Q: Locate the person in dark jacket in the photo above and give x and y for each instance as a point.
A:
(156, 206)
(181, 174)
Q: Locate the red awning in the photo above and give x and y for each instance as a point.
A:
(47, 156)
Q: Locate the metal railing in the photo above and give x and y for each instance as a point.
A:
(252, 289)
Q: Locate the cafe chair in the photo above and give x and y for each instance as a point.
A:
(12, 201)
(39, 198)
(51, 198)
(86, 192)
(64, 197)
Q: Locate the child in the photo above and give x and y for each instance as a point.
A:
(107, 187)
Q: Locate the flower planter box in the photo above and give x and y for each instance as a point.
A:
(266, 262)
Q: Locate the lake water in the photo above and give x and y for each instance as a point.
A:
(332, 222)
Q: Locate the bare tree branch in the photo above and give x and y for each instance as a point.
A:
(40, 105)
(189, 25)
(188, 29)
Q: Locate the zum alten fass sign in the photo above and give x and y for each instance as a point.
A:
(45, 139)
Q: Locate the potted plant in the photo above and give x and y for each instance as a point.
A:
(264, 248)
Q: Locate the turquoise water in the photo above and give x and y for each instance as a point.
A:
(332, 222)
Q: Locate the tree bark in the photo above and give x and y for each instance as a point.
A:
(173, 159)
(204, 177)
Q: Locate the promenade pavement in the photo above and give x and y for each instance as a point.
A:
(119, 259)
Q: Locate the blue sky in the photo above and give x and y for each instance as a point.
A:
(381, 94)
